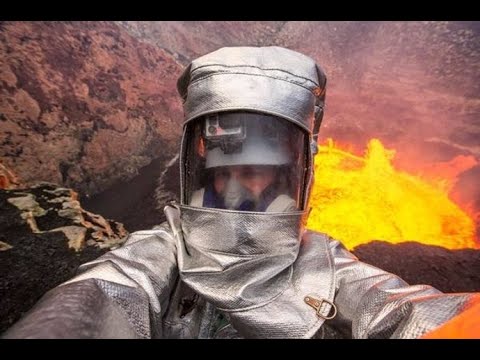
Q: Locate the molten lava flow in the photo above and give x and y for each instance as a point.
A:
(359, 199)
(463, 326)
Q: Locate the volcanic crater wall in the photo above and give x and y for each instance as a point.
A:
(84, 104)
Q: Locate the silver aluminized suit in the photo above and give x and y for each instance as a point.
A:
(210, 273)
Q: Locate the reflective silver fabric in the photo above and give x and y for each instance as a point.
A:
(120, 294)
(250, 266)
(86, 310)
(129, 293)
(272, 80)
(372, 303)
(239, 260)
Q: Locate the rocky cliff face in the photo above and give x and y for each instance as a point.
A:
(84, 104)
(187, 40)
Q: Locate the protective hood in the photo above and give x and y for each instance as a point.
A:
(263, 80)
(250, 262)
(252, 267)
(271, 80)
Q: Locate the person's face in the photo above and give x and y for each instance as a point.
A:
(253, 178)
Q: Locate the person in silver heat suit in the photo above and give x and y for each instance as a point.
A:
(233, 259)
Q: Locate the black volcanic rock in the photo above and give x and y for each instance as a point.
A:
(138, 203)
(44, 236)
(446, 270)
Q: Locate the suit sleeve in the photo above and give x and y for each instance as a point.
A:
(122, 294)
(373, 303)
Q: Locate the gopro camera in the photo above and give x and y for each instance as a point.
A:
(226, 131)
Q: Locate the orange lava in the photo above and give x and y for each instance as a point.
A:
(359, 199)
(463, 326)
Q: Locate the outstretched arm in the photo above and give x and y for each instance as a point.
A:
(373, 303)
(122, 294)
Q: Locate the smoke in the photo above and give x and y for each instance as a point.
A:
(413, 85)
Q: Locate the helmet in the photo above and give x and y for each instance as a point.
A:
(244, 161)
(244, 139)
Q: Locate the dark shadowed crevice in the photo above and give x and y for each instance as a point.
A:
(131, 202)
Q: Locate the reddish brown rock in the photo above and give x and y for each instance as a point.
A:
(187, 40)
(84, 104)
(8, 180)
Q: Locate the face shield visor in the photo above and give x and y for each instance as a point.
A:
(245, 162)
